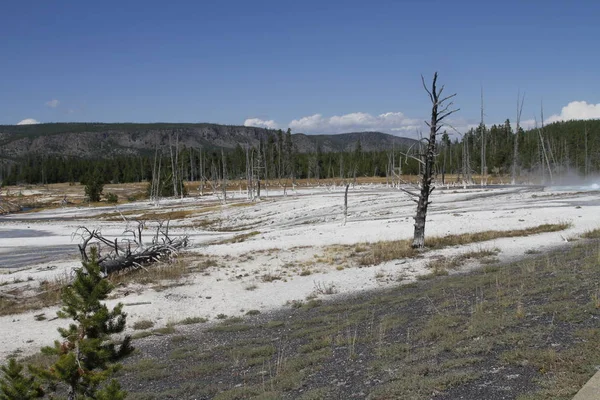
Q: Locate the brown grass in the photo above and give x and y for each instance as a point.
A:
(440, 266)
(591, 234)
(438, 242)
(157, 273)
(379, 252)
(239, 238)
(46, 295)
(143, 324)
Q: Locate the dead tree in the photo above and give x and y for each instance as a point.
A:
(440, 110)
(586, 167)
(346, 204)
(173, 164)
(116, 255)
(155, 185)
(483, 149)
(224, 178)
(544, 154)
(520, 102)
(201, 172)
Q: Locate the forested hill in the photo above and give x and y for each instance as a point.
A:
(98, 140)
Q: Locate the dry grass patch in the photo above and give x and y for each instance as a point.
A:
(158, 273)
(438, 242)
(591, 234)
(380, 252)
(457, 261)
(192, 321)
(143, 324)
(246, 204)
(21, 300)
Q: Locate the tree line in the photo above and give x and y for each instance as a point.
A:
(561, 147)
(556, 149)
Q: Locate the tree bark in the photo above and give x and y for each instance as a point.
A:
(428, 159)
(516, 137)
(346, 203)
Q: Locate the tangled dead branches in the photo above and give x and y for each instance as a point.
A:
(130, 252)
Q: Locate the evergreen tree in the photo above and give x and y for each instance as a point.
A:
(86, 357)
(16, 386)
(94, 184)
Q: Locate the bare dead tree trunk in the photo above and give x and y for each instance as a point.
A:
(520, 102)
(248, 175)
(202, 177)
(586, 168)
(428, 159)
(155, 172)
(543, 145)
(265, 166)
(346, 204)
(483, 150)
(173, 169)
(224, 177)
(179, 167)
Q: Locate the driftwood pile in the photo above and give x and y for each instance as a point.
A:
(131, 251)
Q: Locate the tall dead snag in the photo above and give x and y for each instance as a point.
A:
(483, 146)
(520, 101)
(346, 204)
(440, 110)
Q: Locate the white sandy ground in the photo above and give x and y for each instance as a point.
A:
(294, 231)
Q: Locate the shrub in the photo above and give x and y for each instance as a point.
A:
(112, 198)
(94, 185)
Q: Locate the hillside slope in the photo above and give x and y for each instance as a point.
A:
(106, 140)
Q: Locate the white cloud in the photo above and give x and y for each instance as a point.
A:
(576, 110)
(525, 125)
(28, 121)
(355, 122)
(573, 110)
(269, 124)
(52, 103)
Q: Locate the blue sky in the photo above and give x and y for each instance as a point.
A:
(318, 66)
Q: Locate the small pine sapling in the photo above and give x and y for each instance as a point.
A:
(86, 356)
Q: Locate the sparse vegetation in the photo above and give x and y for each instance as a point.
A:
(193, 320)
(143, 324)
(446, 336)
(47, 294)
(379, 252)
(592, 234)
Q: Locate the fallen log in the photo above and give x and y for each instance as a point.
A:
(118, 255)
(140, 259)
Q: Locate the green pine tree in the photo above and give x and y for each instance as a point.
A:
(86, 357)
(94, 184)
(16, 386)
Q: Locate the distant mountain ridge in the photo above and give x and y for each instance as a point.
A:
(102, 140)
